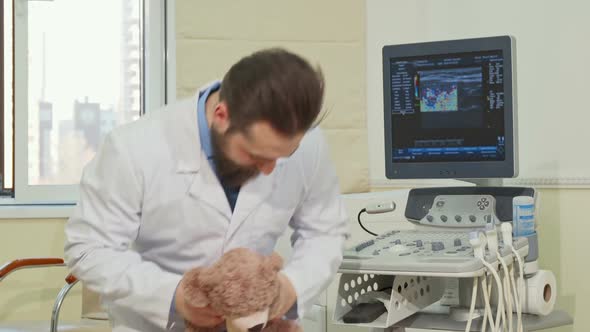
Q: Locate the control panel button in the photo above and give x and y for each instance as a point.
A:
(458, 218)
(398, 247)
(364, 245)
(419, 243)
(457, 242)
(472, 218)
(443, 218)
(480, 206)
(430, 218)
(438, 246)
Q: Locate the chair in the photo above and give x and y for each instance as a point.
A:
(90, 322)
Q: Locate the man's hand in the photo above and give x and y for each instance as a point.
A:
(198, 316)
(285, 300)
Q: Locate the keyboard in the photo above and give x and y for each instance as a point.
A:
(421, 252)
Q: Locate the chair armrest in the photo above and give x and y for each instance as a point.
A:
(71, 279)
(28, 263)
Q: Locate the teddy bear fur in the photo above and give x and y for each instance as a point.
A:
(242, 282)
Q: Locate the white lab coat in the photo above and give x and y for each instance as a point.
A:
(152, 208)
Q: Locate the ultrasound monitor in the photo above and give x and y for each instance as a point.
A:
(450, 109)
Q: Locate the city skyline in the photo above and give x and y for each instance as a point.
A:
(72, 108)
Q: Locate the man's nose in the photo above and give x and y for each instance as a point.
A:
(266, 167)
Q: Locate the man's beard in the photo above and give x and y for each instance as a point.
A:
(229, 173)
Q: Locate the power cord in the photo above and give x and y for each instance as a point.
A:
(472, 306)
(517, 289)
(478, 241)
(361, 223)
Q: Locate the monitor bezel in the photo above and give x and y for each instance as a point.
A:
(455, 170)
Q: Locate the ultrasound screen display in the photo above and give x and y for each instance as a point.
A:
(448, 107)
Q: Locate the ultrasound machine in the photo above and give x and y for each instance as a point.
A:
(471, 261)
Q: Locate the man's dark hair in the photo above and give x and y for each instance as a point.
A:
(276, 86)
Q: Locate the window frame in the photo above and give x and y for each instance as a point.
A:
(6, 191)
(2, 31)
(157, 89)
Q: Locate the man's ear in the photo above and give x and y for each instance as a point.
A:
(194, 293)
(221, 116)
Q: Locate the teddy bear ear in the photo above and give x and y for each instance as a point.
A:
(193, 288)
(276, 261)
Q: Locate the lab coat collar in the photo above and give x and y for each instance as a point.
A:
(187, 139)
(206, 186)
(190, 158)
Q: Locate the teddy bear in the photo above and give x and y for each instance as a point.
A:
(242, 286)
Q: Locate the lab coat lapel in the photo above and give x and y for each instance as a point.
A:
(190, 159)
(251, 195)
(206, 187)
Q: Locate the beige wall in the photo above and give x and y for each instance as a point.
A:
(563, 228)
(212, 35)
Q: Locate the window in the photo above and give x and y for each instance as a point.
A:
(73, 70)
